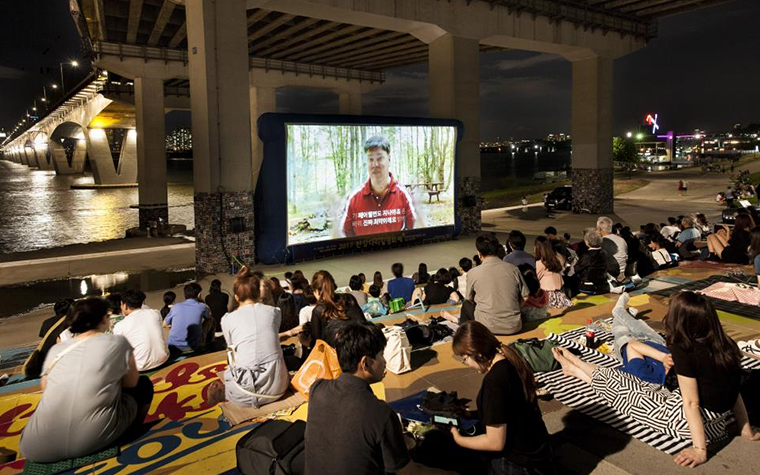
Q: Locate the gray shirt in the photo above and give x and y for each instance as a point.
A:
(616, 247)
(259, 365)
(82, 409)
(497, 288)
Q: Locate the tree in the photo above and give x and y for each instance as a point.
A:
(624, 151)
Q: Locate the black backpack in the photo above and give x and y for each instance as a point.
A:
(274, 447)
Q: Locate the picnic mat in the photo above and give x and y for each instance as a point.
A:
(35, 468)
(578, 395)
(284, 406)
(738, 308)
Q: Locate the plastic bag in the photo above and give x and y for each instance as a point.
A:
(398, 350)
(322, 363)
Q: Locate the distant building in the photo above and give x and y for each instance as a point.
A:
(179, 140)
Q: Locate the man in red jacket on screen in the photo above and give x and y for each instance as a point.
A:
(381, 205)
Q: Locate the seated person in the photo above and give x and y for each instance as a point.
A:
(92, 394)
(437, 290)
(256, 374)
(355, 284)
(465, 265)
(169, 298)
(708, 365)
(534, 307)
(400, 286)
(60, 309)
(331, 306)
(374, 306)
(421, 277)
(658, 246)
(513, 435)
(591, 269)
(730, 245)
(50, 332)
(142, 329)
(754, 252)
(642, 350)
(689, 239)
(350, 431)
(190, 321)
(218, 303)
(517, 255)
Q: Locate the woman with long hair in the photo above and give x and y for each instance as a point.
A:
(754, 252)
(707, 363)
(218, 302)
(549, 268)
(330, 306)
(515, 436)
(731, 245)
(256, 372)
(377, 280)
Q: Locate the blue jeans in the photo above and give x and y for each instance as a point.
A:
(625, 328)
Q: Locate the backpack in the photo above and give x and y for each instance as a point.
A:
(274, 447)
(398, 350)
(537, 353)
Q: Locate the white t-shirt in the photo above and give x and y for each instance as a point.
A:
(304, 315)
(142, 328)
(462, 283)
(668, 231)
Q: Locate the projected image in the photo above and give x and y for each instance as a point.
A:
(358, 180)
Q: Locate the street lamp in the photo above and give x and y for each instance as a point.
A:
(629, 134)
(73, 64)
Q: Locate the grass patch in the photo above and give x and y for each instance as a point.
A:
(535, 193)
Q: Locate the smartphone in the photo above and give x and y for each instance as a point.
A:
(443, 420)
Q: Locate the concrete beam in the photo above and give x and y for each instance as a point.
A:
(326, 40)
(263, 100)
(135, 12)
(286, 33)
(390, 38)
(178, 36)
(350, 104)
(163, 18)
(295, 39)
(100, 15)
(137, 67)
(263, 30)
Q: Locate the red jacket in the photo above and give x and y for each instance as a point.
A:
(369, 214)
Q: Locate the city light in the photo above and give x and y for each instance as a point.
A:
(639, 136)
(75, 64)
(629, 134)
(54, 86)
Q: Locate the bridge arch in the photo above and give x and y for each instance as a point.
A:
(41, 145)
(68, 148)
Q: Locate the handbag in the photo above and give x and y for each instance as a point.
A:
(274, 447)
(322, 363)
(537, 353)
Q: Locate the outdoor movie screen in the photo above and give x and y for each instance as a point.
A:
(345, 181)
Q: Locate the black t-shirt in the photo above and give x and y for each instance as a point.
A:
(319, 322)
(501, 400)
(436, 293)
(350, 431)
(718, 388)
(217, 302)
(48, 324)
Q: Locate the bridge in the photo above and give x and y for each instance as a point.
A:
(225, 60)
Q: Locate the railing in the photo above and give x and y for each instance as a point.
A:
(129, 89)
(316, 70)
(142, 52)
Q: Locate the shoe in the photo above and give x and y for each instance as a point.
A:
(4, 379)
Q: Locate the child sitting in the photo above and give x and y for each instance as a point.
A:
(374, 306)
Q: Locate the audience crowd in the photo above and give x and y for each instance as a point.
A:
(93, 350)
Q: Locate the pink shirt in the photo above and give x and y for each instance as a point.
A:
(548, 280)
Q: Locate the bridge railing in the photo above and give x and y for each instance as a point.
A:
(142, 52)
(316, 70)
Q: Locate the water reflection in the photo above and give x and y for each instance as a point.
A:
(39, 210)
(20, 299)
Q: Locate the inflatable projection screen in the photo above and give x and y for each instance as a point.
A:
(336, 184)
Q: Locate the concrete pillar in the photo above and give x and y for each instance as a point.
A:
(350, 103)
(42, 154)
(218, 65)
(151, 151)
(263, 100)
(61, 163)
(454, 81)
(24, 156)
(592, 135)
(31, 156)
(101, 160)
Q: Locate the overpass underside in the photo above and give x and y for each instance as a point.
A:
(225, 60)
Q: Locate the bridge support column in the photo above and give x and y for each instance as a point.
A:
(44, 160)
(101, 160)
(61, 163)
(592, 135)
(350, 103)
(263, 100)
(151, 151)
(454, 82)
(222, 164)
(24, 156)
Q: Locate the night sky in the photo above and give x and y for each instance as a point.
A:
(703, 71)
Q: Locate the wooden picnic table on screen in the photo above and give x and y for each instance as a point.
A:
(432, 189)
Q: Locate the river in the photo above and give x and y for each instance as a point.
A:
(39, 210)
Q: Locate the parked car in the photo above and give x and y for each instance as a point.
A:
(560, 198)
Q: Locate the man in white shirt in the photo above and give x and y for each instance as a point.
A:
(614, 246)
(142, 327)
